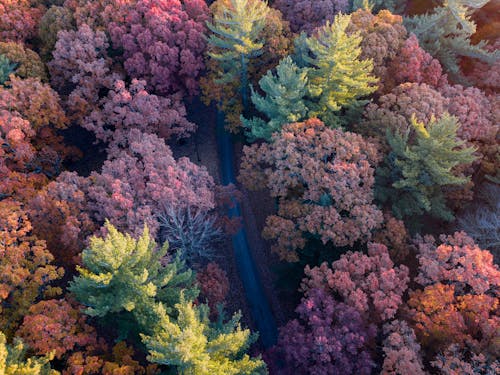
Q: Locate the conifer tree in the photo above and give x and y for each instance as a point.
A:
(283, 102)
(6, 68)
(197, 347)
(122, 274)
(235, 34)
(337, 77)
(445, 34)
(420, 164)
(13, 360)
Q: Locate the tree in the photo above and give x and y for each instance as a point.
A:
(283, 103)
(329, 338)
(25, 266)
(28, 63)
(55, 19)
(369, 283)
(6, 68)
(401, 350)
(415, 171)
(81, 66)
(382, 37)
(196, 347)
(413, 64)
(306, 15)
(18, 20)
(214, 285)
(132, 107)
(13, 360)
(235, 28)
(162, 41)
(445, 34)
(141, 179)
(322, 179)
(457, 260)
(337, 76)
(60, 216)
(56, 327)
(121, 274)
(454, 359)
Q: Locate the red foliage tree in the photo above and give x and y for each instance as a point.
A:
(214, 285)
(25, 266)
(18, 20)
(322, 179)
(133, 108)
(306, 15)
(329, 338)
(140, 178)
(369, 283)
(56, 325)
(59, 216)
(162, 41)
(413, 64)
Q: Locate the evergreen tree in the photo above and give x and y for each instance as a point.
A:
(445, 34)
(197, 347)
(13, 360)
(420, 165)
(235, 34)
(6, 68)
(283, 102)
(337, 78)
(122, 274)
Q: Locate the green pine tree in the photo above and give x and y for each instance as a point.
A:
(121, 274)
(337, 78)
(235, 36)
(415, 171)
(195, 346)
(13, 360)
(445, 34)
(283, 102)
(6, 68)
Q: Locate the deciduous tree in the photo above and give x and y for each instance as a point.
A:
(322, 179)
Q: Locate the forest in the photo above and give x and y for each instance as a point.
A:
(249, 187)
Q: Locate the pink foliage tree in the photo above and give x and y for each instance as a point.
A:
(322, 179)
(457, 260)
(306, 15)
(81, 67)
(18, 20)
(329, 338)
(413, 64)
(383, 36)
(163, 41)
(369, 283)
(401, 350)
(132, 107)
(140, 178)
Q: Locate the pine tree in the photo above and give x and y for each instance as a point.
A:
(122, 274)
(235, 36)
(416, 170)
(197, 347)
(445, 34)
(283, 102)
(6, 68)
(13, 360)
(337, 78)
